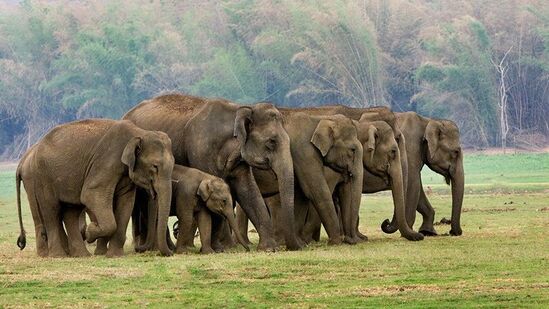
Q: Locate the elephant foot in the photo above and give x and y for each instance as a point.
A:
(350, 240)
(334, 241)
(266, 246)
(57, 253)
(181, 250)
(207, 250)
(456, 231)
(428, 231)
(298, 245)
(115, 251)
(100, 250)
(81, 252)
(414, 236)
(42, 252)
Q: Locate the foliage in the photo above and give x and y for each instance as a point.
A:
(63, 60)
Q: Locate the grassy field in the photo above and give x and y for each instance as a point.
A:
(500, 261)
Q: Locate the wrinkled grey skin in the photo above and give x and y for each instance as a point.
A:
(327, 158)
(376, 174)
(381, 159)
(94, 164)
(226, 140)
(433, 142)
(196, 196)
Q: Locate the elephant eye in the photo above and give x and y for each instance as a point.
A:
(155, 167)
(271, 144)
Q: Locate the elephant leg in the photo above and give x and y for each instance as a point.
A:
(301, 208)
(148, 215)
(217, 232)
(412, 198)
(312, 225)
(51, 214)
(242, 223)
(39, 228)
(428, 213)
(71, 217)
(124, 203)
(225, 236)
(273, 204)
(99, 204)
(205, 229)
(185, 216)
(139, 219)
(101, 246)
(324, 205)
(249, 197)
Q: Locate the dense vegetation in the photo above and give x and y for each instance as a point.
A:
(484, 64)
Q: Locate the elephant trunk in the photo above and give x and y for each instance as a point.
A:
(387, 226)
(457, 182)
(229, 215)
(395, 173)
(164, 203)
(356, 191)
(283, 168)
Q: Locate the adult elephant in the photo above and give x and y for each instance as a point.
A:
(434, 142)
(100, 172)
(327, 161)
(385, 157)
(225, 139)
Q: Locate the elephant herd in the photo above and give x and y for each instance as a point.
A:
(215, 165)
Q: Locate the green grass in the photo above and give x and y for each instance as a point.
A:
(500, 261)
(520, 173)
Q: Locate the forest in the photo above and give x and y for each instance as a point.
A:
(483, 64)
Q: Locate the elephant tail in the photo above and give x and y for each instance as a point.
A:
(22, 239)
(389, 227)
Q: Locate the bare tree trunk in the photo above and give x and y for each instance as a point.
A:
(502, 69)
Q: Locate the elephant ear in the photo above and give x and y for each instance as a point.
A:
(371, 144)
(432, 136)
(242, 123)
(323, 137)
(131, 152)
(204, 190)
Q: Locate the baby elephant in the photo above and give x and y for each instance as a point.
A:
(196, 195)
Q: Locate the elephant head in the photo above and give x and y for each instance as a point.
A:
(336, 139)
(265, 144)
(382, 158)
(150, 162)
(443, 155)
(216, 195)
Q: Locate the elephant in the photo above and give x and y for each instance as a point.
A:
(382, 122)
(94, 165)
(435, 143)
(196, 196)
(226, 140)
(327, 158)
